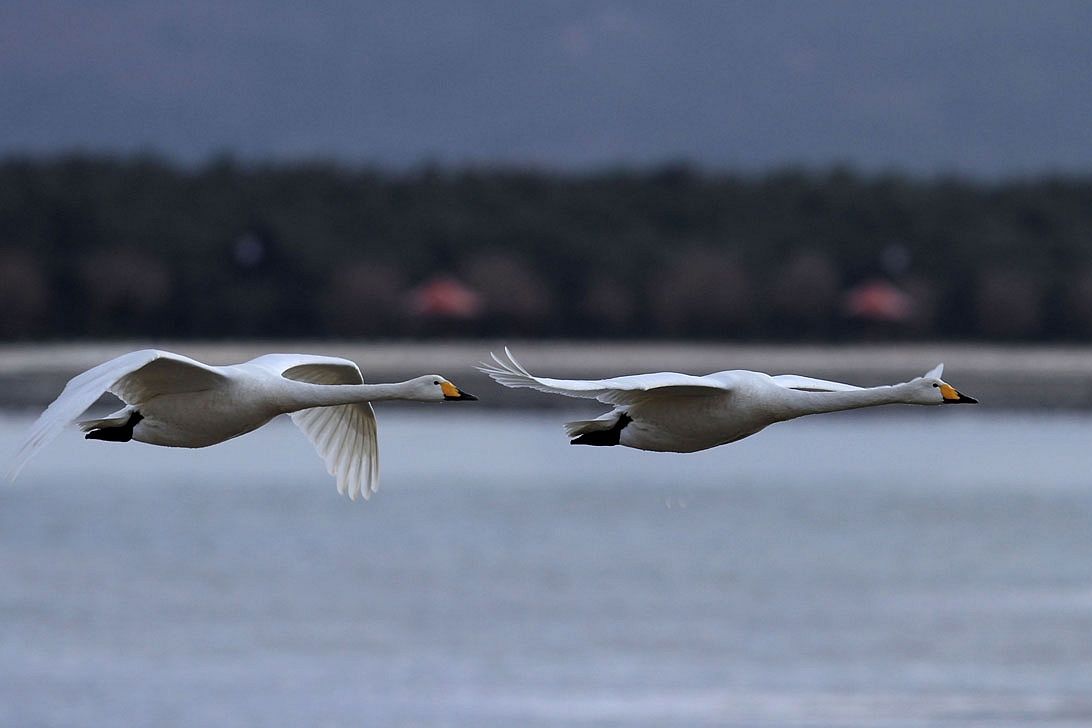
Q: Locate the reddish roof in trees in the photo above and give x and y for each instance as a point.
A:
(879, 300)
(445, 297)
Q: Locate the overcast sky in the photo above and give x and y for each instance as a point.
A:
(983, 87)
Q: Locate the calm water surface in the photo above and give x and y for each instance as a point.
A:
(920, 568)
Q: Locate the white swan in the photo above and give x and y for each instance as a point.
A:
(669, 412)
(176, 401)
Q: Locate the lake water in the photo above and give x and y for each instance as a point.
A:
(911, 568)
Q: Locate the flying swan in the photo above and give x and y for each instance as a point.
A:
(176, 401)
(669, 412)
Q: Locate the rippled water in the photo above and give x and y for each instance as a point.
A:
(906, 569)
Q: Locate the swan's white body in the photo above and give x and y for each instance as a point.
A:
(670, 412)
(176, 401)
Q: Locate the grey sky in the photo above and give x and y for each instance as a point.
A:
(980, 86)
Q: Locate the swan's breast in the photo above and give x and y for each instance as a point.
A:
(689, 424)
(199, 419)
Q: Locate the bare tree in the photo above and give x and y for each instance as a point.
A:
(125, 288)
(805, 292)
(364, 298)
(516, 297)
(1079, 302)
(24, 294)
(704, 293)
(1009, 303)
(608, 306)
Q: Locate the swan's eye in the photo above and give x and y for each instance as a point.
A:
(935, 384)
(438, 384)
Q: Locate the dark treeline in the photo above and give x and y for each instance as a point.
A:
(95, 247)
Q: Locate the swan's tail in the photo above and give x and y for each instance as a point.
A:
(583, 427)
(117, 419)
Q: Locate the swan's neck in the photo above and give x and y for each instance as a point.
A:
(812, 403)
(302, 395)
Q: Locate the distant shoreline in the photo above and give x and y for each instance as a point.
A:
(1007, 376)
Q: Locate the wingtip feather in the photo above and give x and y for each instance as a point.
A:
(515, 362)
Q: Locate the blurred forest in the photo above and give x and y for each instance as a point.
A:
(136, 247)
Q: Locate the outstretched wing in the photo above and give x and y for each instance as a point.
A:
(617, 391)
(345, 436)
(134, 377)
(807, 384)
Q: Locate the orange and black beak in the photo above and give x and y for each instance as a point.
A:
(951, 396)
(454, 394)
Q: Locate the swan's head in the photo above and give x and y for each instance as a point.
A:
(931, 389)
(434, 388)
